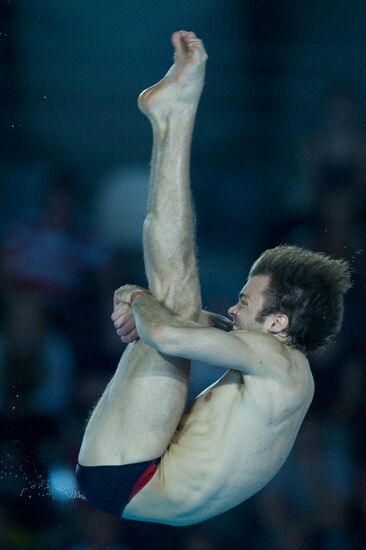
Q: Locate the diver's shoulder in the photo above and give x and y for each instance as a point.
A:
(300, 372)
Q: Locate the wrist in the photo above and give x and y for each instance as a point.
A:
(139, 292)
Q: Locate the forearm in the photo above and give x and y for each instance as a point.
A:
(153, 319)
(139, 314)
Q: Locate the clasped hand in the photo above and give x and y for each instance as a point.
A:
(122, 315)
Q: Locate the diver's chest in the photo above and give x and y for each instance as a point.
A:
(218, 407)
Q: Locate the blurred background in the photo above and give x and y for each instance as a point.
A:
(278, 157)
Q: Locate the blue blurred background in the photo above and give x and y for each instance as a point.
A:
(278, 156)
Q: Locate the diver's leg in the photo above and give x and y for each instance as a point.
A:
(143, 403)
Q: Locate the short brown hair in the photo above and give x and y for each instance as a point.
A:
(309, 288)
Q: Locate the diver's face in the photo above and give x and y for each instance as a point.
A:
(250, 304)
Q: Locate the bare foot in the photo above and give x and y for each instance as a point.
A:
(180, 89)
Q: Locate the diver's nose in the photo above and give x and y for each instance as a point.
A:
(232, 311)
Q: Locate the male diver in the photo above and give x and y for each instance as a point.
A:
(140, 457)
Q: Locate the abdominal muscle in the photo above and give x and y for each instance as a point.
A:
(233, 440)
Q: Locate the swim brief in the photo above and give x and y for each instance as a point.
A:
(110, 488)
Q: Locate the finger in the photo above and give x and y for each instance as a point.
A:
(122, 313)
(119, 298)
(123, 319)
(120, 304)
(119, 310)
(125, 328)
(125, 334)
(118, 321)
(131, 337)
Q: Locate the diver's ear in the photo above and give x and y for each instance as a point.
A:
(279, 323)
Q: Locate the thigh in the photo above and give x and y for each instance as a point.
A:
(139, 410)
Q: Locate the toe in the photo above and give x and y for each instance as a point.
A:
(177, 40)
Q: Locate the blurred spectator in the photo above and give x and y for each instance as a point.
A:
(37, 364)
(119, 213)
(51, 251)
(329, 205)
(334, 159)
(198, 541)
(96, 531)
(121, 207)
(308, 503)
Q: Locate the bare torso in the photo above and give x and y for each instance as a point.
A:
(236, 436)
